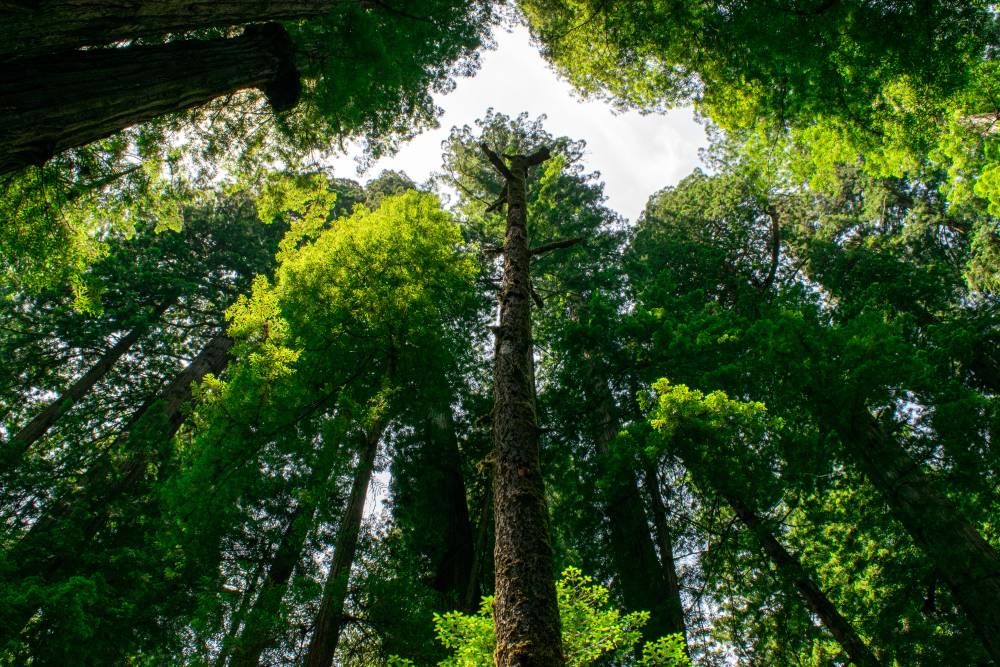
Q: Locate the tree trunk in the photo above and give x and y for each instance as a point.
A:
(44, 551)
(329, 619)
(470, 602)
(968, 565)
(263, 621)
(54, 103)
(50, 26)
(640, 574)
(39, 426)
(791, 570)
(674, 608)
(526, 612)
(452, 562)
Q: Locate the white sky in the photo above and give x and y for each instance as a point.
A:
(636, 155)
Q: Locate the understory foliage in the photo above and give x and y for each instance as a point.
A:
(593, 631)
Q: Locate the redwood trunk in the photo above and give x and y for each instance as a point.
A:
(83, 512)
(263, 620)
(54, 103)
(641, 577)
(968, 565)
(329, 619)
(526, 612)
(39, 426)
(791, 570)
(673, 608)
(49, 26)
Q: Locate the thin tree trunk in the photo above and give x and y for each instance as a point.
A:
(42, 422)
(791, 570)
(43, 551)
(526, 612)
(665, 543)
(968, 565)
(472, 591)
(50, 26)
(640, 574)
(264, 621)
(54, 103)
(329, 619)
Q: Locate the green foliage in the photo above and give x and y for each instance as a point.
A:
(593, 631)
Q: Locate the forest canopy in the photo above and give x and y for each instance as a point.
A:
(253, 412)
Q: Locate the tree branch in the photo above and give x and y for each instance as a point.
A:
(538, 157)
(556, 245)
(496, 161)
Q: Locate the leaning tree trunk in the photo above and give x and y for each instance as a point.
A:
(790, 570)
(50, 26)
(665, 543)
(329, 619)
(969, 565)
(263, 622)
(54, 103)
(24, 439)
(525, 610)
(640, 575)
(44, 551)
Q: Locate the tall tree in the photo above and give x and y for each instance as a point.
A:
(526, 614)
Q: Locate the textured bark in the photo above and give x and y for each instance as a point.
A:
(50, 26)
(790, 569)
(525, 609)
(329, 619)
(54, 103)
(42, 422)
(968, 565)
(43, 551)
(664, 541)
(640, 574)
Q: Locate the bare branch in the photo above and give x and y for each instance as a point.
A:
(496, 161)
(556, 245)
(538, 157)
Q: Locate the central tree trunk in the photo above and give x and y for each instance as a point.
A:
(526, 611)
(71, 99)
(49, 26)
(673, 607)
(644, 581)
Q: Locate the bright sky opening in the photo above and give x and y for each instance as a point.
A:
(636, 154)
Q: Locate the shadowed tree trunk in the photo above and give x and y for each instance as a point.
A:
(526, 612)
(790, 569)
(329, 619)
(640, 575)
(45, 551)
(480, 551)
(264, 621)
(968, 565)
(23, 440)
(53, 103)
(49, 26)
(433, 503)
(673, 607)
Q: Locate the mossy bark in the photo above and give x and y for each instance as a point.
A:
(526, 612)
